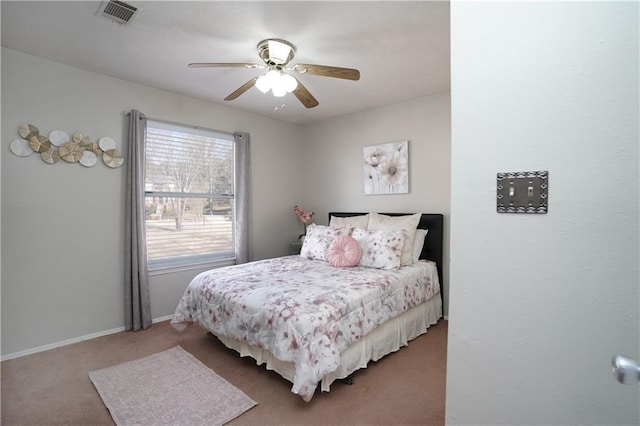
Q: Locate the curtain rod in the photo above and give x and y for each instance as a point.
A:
(127, 113)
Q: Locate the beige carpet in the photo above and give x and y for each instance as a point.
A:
(53, 387)
(167, 388)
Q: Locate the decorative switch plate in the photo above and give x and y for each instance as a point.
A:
(523, 192)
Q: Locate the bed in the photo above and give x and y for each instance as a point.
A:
(314, 323)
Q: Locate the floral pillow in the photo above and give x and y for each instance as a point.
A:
(380, 249)
(318, 240)
(408, 223)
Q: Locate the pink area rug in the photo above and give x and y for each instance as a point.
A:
(168, 388)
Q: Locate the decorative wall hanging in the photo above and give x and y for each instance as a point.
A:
(58, 145)
(386, 168)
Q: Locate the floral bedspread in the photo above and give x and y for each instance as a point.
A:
(302, 311)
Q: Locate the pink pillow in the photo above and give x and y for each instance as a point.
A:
(344, 251)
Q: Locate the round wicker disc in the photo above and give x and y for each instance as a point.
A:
(21, 148)
(106, 144)
(77, 137)
(71, 152)
(58, 137)
(28, 131)
(95, 148)
(113, 158)
(39, 143)
(85, 141)
(51, 156)
(89, 159)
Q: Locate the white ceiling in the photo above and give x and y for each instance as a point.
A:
(401, 48)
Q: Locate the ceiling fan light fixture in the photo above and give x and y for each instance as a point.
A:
(289, 83)
(273, 77)
(278, 82)
(262, 83)
(278, 91)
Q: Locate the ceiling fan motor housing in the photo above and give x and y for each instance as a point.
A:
(276, 52)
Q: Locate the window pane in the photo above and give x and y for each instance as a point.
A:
(189, 195)
(204, 228)
(179, 162)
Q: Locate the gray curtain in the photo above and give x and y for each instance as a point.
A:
(137, 307)
(242, 196)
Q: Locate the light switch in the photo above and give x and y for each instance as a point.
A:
(523, 192)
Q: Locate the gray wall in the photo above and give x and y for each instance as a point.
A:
(62, 224)
(334, 161)
(540, 303)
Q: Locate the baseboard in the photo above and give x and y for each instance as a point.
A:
(72, 341)
(61, 343)
(164, 318)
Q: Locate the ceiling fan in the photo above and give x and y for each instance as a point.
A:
(276, 54)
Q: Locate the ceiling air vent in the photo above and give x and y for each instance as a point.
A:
(118, 11)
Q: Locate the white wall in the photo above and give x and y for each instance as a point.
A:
(540, 303)
(62, 224)
(333, 160)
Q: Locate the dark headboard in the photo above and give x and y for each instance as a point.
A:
(432, 249)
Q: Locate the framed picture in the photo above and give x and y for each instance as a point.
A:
(386, 168)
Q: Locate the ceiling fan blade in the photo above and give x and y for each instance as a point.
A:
(223, 65)
(240, 90)
(305, 96)
(327, 71)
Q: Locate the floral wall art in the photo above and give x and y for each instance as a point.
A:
(386, 168)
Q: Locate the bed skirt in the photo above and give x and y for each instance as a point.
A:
(387, 338)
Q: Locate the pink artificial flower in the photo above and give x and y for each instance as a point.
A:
(303, 216)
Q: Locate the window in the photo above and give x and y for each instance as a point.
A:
(189, 195)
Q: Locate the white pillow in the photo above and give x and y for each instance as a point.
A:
(407, 223)
(318, 240)
(355, 221)
(418, 243)
(380, 249)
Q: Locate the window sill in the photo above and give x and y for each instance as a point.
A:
(172, 269)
